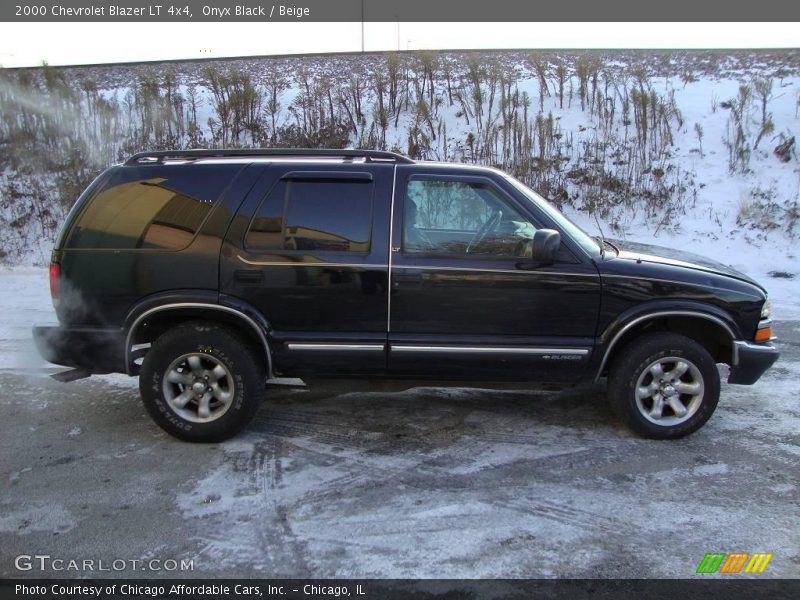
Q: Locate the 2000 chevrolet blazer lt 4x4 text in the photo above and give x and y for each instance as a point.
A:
(207, 272)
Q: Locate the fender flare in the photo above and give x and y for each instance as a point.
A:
(260, 330)
(664, 313)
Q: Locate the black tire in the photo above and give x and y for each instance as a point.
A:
(212, 349)
(631, 380)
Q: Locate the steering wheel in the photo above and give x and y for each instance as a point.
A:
(484, 229)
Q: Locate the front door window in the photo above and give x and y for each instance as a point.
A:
(451, 218)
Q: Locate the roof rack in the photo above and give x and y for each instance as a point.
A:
(159, 156)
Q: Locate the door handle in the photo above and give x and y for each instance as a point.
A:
(412, 277)
(408, 278)
(250, 275)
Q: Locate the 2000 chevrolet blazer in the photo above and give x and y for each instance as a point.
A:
(207, 272)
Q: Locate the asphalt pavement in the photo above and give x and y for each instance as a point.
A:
(424, 482)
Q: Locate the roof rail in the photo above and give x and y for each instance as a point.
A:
(159, 156)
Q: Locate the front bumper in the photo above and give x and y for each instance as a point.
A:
(93, 349)
(750, 361)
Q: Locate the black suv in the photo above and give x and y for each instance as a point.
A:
(208, 272)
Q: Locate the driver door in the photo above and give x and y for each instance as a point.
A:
(466, 298)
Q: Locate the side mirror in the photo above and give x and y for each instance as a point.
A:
(545, 245)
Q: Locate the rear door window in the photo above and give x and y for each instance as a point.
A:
(314, 213)
(150, 208)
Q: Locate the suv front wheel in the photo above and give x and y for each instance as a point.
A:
(201, 383)
(664, 385)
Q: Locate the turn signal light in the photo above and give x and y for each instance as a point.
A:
(763, 335)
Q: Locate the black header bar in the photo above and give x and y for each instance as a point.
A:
(397, 10)
(398, 589)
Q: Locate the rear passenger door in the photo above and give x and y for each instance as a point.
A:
(309, 250)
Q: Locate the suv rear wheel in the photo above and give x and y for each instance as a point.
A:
(201, 383)
(664, 386)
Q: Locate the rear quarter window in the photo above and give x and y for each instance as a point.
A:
(150, 208)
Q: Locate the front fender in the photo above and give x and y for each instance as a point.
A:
(640, 314)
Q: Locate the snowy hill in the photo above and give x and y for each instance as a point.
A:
(687, 149)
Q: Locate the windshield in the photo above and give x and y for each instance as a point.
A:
(576, 233)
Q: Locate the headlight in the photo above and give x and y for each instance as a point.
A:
(766, 310)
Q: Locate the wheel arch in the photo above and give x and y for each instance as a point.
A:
(713, 332)
(146, 325)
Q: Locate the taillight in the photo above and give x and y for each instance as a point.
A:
(55, 280)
